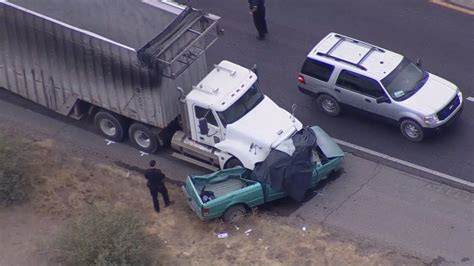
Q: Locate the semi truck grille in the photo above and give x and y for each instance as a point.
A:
(449, 109)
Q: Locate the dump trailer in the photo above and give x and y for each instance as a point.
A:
(138, 67)
(123, 56)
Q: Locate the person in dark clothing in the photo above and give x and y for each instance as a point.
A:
(156, 183)
(257, 8)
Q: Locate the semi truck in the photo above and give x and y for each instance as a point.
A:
(138, 68)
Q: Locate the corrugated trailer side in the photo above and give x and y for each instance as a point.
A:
(55, 64)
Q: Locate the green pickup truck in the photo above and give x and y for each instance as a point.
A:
(230, 193)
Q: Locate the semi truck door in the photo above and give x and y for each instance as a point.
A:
(214, 134)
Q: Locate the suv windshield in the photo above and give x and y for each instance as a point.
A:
(406, 79)
(242, 106)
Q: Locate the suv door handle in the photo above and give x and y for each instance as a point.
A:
(337, 90)
(367, 100)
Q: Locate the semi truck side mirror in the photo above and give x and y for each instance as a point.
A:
(293, 109)
(255, 70)
(418, 62)
(203, 128)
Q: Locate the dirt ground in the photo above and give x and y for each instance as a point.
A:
(66, 186)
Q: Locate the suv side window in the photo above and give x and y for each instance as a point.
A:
(359, 83)
(317, 69)
(203, 112)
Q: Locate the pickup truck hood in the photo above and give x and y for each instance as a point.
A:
(435, 94)
(255, 134)
(326, 143)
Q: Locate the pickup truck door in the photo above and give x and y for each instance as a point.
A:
(271, 194)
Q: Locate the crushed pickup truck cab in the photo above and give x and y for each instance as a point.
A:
(231, 192)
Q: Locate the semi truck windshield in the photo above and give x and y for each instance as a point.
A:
(242, 106)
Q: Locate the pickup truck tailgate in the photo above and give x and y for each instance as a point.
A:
(192, 197)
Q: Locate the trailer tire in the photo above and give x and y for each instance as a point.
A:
(143, 138)
(234, 213)
(110, 125)
(233, 162)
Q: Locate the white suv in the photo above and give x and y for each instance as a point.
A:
(341, 70)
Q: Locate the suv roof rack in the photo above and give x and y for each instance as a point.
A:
(348, 39)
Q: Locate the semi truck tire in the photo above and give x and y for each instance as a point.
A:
(143, 138)
(110, 125)
(234, 213)
(233, 162)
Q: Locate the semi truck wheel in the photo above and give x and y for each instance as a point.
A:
(233, 162)
(110, 125)
(234, 214)
(143, 138)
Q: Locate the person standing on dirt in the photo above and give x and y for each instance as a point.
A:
(257, 9)
(156, 183)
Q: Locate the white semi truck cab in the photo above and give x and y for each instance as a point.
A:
(226, 120)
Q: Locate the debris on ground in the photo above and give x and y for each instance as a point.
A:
(248, 232)
(222, 235)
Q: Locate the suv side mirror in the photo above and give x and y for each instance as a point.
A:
(203, 128)
(383, 99)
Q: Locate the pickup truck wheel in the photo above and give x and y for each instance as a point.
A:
(233, 162)
(412, 130)
(143, 138)
(328, 105)
(110, 125)
(234, 214)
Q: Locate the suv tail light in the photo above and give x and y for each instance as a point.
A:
(204, 212)
(301, 79)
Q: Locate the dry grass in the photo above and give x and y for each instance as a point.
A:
(15, 179)
(106, 237)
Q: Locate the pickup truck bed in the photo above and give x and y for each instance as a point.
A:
(223, 187)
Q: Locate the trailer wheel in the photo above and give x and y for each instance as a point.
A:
(233, 162)
(143, 138)
(234, 214)
(110, 125)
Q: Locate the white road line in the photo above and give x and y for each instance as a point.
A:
(470, 99)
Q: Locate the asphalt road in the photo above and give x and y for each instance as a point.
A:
(442, 38)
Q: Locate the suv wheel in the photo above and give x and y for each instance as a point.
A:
(412, 130)
(328, 105)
